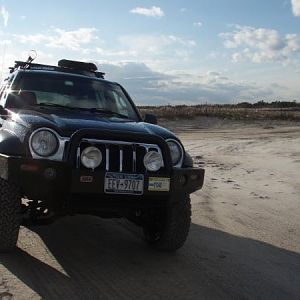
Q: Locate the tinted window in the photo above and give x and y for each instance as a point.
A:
(75, 91)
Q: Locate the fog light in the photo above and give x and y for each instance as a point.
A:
(50, 173)
(182, 180)
(153, 161)
(91, 157)
(194, 176)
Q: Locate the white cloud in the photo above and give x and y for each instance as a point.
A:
(198, 24)
(237, 57)
(155, 44)
(71, 39)
(60, 38)
(32, 38)
(162, 51)
(155, 50)
(184, 42)
(213, 74)
(112, 54)
(5, 15)
(183, 10)
(261, 44)
(213, 54)
(148, 86)
(154, 11)
(296, 7)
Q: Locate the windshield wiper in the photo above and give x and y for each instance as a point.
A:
(93, 109)
(57, 105)
(108, 112)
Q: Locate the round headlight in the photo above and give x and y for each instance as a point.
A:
(153, 161)
(91, 157)
(176, 152)
(44, 143)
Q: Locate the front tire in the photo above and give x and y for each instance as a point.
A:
(168, 230)
(10, 216)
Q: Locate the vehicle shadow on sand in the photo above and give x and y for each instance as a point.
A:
(107, 259)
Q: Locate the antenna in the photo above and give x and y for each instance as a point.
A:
(3, 59)
(32, 55)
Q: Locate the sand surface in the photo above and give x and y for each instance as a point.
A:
(244, 242)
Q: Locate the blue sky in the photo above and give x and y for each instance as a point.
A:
(166, 52)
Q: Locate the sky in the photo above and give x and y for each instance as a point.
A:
(166, 52)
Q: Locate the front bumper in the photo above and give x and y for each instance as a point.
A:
(40, 179)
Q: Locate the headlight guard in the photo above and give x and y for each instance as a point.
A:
(44, 142)
(176, 151)
(57, 154)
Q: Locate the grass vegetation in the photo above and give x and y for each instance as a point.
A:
(244, 110)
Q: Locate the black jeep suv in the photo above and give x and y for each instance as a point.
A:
(74, 143)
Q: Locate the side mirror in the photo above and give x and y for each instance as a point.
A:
(150, 118)
(3, 112)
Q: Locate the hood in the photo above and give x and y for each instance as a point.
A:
(66, 122)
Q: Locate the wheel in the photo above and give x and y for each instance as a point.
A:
(10, 216)
(167, 230)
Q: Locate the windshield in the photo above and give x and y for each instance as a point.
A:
(74, 91)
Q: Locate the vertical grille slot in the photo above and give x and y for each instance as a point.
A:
(121, 159)
(106, 157)
(114, 158)
(140, 153)
(128, 159)
(133, 158)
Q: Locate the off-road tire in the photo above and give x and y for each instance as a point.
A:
(174, 226)
(10, 216)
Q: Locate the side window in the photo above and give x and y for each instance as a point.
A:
(122, 106)
(110, 101)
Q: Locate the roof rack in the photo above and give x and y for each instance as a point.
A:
(64, 65)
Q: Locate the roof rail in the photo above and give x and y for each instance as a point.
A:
(64, 65)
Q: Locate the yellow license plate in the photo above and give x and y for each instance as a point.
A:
(159, 184)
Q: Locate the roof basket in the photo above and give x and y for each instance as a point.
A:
(78, 65)
(82, 66)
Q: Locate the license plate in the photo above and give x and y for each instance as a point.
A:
(119, 183)
(159, 184)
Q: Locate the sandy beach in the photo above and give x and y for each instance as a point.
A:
(244, 242)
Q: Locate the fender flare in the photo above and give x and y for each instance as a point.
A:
(10, 144)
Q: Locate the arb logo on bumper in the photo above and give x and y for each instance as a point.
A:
(87, 179)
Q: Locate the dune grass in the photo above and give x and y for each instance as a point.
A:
(222, 111)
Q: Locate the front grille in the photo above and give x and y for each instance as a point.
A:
(118, 156)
